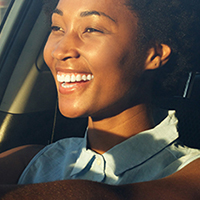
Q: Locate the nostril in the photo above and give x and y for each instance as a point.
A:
(63, 54)
(69, 57)
(66, 58)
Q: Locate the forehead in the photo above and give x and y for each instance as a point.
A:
(113, 8)
(105, 4)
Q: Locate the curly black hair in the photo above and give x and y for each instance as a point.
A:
(172, 22)
(177, 24)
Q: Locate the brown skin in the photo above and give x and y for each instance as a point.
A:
(182, 185)
(14, 161)
(111, 100)
(103, 45)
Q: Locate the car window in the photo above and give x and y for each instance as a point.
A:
(5, 6)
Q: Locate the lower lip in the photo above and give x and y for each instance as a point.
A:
(74, 87)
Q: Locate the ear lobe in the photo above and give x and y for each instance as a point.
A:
(157, 56)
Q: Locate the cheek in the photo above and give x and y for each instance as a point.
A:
(103, 55)
(47, 54)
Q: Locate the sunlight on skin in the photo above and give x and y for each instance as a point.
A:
(113, 102)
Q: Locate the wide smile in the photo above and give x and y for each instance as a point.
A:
(72, 81)
(71, 78)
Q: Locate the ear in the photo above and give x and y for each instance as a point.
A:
(157, 56)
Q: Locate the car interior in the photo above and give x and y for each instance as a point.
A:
(28, 99)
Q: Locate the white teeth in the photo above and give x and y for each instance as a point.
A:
(78, 77)
(72, 78)
(60, 78)
(89, 77)
(67, 86)
(84, 77)
(67, 78)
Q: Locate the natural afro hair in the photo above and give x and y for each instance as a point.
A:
(175, 23)
(172, 22)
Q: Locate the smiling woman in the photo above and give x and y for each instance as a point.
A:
(108, 58)
(88, 43)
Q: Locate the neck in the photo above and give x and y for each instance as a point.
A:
(106, 133)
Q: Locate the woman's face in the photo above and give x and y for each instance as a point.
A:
(91, 53)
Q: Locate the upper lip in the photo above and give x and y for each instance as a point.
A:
(74, 70)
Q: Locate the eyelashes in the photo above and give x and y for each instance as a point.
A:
(91, 30)
(87, 30)
(56, 28)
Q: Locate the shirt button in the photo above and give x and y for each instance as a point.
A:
(98, 161)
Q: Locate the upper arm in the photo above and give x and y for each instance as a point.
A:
(14, 161)
(184, 184)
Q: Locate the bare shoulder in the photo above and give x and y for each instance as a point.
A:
(14, 161)
(184, 184)
(22, 150)
(191, 170)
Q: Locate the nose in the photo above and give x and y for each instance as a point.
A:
(66, 48)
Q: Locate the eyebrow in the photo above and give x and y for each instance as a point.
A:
(86, 13)
(93, 12)
(58, 11)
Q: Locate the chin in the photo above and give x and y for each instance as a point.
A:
(71, 112)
